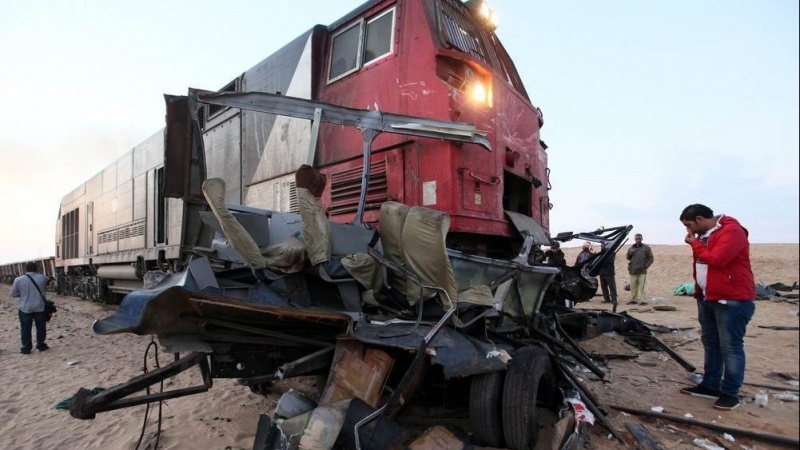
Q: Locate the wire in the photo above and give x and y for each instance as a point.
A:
(147, 407)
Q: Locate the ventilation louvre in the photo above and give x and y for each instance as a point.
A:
(346, 189)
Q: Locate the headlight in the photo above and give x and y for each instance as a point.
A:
(480, 92)
(488, 15)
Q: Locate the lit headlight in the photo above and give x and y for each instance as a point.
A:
(485, 11)
(480, 93)
(493, 20)
(488, 15)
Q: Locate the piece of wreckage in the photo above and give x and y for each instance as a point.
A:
(406, 331)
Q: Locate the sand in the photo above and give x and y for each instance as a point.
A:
(226, 415)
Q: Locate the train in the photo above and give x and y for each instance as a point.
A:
(403, 133)
(438, 59)
(46, 266)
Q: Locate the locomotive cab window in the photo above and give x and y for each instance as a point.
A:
(360, 44)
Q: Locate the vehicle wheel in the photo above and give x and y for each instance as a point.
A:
(529, 379)
(485, 412)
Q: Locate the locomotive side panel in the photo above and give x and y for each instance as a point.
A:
(273, 147)
(223, 155)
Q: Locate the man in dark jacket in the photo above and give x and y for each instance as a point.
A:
(725, 290)
(30, 290)
(555, 255)
(608, 283)
(640, 258)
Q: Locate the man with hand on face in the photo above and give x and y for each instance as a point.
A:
(725, 290)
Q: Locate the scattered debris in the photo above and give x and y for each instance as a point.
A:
(766, 437)
(779, 327)
(706, 444)
(643, 436)
(787, 397)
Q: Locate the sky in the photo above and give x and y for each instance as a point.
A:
(648, 106)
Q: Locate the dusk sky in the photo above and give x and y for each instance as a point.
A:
(648, 106)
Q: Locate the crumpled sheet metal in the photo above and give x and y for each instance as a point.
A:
(459, 354)
(177, 311)
(150, 312)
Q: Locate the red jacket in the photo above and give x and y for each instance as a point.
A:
(727, 254)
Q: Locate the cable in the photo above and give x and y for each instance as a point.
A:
(147, 407)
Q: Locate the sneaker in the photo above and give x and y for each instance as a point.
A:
(632, 302)
(701, 391)
(726, 402)
(43, 348)
(644, 303)
(25, 352)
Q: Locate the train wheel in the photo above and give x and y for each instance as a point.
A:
(529, 379)
(485, 412)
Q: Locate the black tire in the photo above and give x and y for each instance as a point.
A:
(529, 379)
(485, 409)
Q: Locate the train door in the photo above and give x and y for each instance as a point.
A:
(90, 228)
(159, 209)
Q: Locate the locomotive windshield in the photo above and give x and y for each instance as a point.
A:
(361, 43)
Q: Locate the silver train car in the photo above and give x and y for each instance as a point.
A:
(118, 225)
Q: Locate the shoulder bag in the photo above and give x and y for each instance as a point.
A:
(49, 307)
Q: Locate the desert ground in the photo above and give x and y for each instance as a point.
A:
(654, 380)
(225, 417)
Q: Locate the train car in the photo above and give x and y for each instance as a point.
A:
(46, 266)
(115, 226)
(438, 59)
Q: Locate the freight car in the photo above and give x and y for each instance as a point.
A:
(438, 59)
(47, 266)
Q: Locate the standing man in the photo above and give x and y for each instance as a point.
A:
(585, 254)
(608, 284)
(725, 290)
(640, 257)
(555, 255)
(30, 289)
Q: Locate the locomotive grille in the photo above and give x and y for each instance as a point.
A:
(461, 31)
(107, 236)
(293, 206)
(346, 188)
(122, 232)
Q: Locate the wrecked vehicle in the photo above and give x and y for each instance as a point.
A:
(395, 256)
(403, 329)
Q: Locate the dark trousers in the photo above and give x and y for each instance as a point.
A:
(609, 286)
(722, 330)
(26, 321)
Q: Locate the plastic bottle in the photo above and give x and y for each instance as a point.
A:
(762, 398)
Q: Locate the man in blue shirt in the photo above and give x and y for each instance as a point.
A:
(31, 307)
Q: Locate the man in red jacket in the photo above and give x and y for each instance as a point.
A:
(725, 290)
